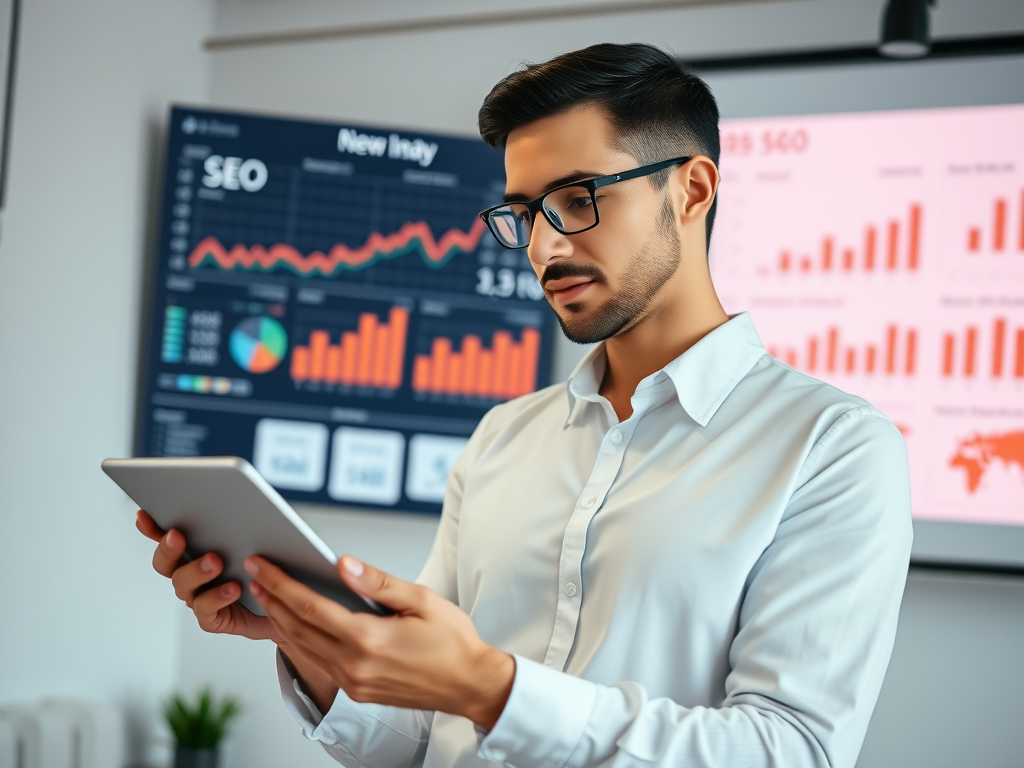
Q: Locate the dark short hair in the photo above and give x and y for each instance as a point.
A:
(659, 108)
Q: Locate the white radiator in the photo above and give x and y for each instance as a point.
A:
(61, 733)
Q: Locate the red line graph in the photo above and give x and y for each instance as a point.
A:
(414, 235)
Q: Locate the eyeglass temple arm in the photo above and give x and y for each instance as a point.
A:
(643, 170)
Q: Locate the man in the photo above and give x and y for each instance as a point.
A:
(690, 555)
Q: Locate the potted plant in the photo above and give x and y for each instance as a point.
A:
(198, 728)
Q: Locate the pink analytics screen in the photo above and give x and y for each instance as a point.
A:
(884, 253)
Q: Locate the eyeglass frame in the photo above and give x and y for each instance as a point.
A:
(591, 185)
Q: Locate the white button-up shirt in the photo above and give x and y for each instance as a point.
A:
(713, 582)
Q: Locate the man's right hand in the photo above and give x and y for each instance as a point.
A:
(217, 609)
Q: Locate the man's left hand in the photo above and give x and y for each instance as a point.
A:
(427, 655)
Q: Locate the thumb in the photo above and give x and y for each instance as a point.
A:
(397, 594)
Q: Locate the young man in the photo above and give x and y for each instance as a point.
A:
(690, 554)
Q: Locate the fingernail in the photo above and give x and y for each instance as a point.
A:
(256, 589)
(353, 566)
(228, 590)
(167, 538)
(251, 567)
(206, 565)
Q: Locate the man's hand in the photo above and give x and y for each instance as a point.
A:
(426, 656)
(217, 609)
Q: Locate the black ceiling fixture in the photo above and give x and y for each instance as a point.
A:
(905, 29)
(1001, 45)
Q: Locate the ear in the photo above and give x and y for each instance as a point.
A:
(692, 187)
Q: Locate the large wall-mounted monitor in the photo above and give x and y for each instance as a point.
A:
(326, 303)
(872, 221)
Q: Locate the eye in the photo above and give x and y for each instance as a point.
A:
(581, 202)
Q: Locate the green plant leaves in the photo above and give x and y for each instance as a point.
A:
(203, 724)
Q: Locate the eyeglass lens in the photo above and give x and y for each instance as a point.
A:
(570, 210)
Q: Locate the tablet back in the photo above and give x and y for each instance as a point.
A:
(221, 504)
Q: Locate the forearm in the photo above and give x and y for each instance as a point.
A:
(316, 684)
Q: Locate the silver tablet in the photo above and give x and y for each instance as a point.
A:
(221, 504)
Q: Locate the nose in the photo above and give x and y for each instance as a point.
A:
(547, 244)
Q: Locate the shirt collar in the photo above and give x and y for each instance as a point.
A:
(703, 376)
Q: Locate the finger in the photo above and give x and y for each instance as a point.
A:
(168, 553)
(189, 578)
(305, 626)
(207, 605)
(147, 525)
(300, 598)
(397, 594)
(301, 601)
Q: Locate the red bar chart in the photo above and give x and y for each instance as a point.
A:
(829, 354)
(1007, 230)
(1000, 354)
(884, 254)
(894, 246)
(370, 356)
(504, 370)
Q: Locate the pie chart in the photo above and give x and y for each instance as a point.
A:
(258, 344)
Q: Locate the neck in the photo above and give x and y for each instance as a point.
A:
(685, 310)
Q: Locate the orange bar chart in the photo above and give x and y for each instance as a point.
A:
(371, 356)
(1002, 345)
(505, 370)
(900, 243)
(899, 349)
(1000, 239)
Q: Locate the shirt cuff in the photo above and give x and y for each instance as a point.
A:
(295, 699)
(543, 720)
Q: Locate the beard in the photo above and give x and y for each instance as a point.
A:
(647, 271)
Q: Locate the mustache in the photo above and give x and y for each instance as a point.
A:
(570, 269)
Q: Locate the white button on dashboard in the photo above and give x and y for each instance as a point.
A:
(589, 502)
(570, 589)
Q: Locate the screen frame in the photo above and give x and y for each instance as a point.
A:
(151, 274)
(938, 545)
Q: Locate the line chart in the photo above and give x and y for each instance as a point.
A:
(412, 236)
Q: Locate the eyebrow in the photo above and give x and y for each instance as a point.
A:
(519, 197)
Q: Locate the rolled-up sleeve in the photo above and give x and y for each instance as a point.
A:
(815, 632)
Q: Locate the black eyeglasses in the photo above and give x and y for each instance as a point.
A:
(571, 208)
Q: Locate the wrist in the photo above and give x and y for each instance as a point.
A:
(493, 677)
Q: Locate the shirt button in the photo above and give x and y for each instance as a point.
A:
(616, 437)
(589, 502)
(498, 755)
(549, 665)
(570, 589)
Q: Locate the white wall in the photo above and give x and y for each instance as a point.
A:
(79, 614)
(960, 635)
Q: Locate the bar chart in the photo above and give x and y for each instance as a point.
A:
(505, 369)
(1004, 235)
(828, 354)
(884, 254)
(889, 247)
(999, 355)
(372, 355)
